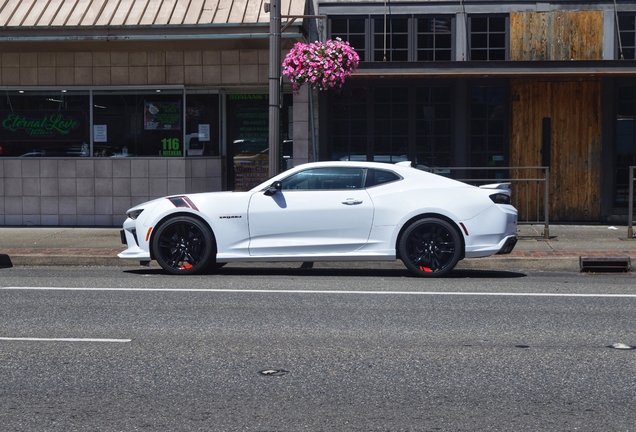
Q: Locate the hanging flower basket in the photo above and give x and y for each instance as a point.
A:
(321, 65)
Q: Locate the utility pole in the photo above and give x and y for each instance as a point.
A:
(274, 85)
(275, 82)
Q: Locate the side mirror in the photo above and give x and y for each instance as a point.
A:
(274, 187)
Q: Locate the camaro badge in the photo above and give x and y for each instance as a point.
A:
(230, 217)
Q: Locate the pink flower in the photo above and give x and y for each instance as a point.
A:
(323, 65)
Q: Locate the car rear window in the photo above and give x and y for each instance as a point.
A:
(377, 177)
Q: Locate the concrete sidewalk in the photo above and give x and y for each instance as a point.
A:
(67, 246)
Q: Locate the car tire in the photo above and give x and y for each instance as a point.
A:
(184, 245)
(430, 247)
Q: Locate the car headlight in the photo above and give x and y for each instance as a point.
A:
(134, 214)
(500, 198)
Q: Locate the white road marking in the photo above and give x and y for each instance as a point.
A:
(63, 339)
(266, 291)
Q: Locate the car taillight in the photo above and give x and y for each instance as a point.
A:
(500, 198)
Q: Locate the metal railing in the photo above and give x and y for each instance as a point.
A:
(630, 205)
(522, 185)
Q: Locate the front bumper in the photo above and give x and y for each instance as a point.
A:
(129, 238)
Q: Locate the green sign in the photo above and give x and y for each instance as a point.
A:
(171, 147)
(44, 126)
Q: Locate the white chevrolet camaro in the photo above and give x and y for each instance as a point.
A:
(327, 211)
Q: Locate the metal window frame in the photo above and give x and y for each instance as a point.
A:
(488, 49)
(416, 33)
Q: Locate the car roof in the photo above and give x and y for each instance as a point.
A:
(403, 169)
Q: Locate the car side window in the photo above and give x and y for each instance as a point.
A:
(377, 177)
(325, 179)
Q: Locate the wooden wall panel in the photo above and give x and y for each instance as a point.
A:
(575, 113)
(556, 35)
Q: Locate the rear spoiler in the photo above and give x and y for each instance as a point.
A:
(496, 186)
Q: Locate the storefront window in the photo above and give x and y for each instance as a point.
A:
(625, 142)
(488, 131)
(433, 126)
(138, 123)
(202, 123)
(349, 124)
(44, 123)
(392, 124)
(248, 136)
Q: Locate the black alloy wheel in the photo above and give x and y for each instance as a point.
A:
(430, 247)
(184, 245)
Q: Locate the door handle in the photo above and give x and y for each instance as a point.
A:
(352, 201)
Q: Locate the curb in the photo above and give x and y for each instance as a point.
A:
(554, 264)
(66, 260)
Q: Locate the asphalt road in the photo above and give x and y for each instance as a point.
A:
(274, 349)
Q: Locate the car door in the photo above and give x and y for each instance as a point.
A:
(318, 211)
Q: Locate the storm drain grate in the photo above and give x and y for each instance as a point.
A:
(605, 264)
(5, 261)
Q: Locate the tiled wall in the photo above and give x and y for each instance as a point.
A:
(215, 68)
(94, 191)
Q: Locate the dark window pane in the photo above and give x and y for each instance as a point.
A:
(626, 22)
(443, 41)
(358, 144)
(625, 109)
(498, 54)
(495, 145)
(442, 111)
(400, 41)
(382, 94)
(627, 38)
(479, 55)
(424, 25)
(497, 40)
(358, 127)
(478, 110)
(479, 159)
(425, 41)
(442, 94)
(422, 127)
(357, 26)
(340, 127)
(443, 55)
(400, 56)
(497, 24)
(479, 41)
(400, 94)
(400, 25)
(381, 127)
(443, 127)
(443, 144)
(496, 127)
(427, 55)
(478, 127)
(357, 42)
(358, 112)
(479, 24)
(339, 26)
